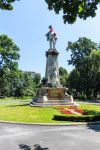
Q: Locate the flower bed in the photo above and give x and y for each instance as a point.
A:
(71, 110)
(76, 114)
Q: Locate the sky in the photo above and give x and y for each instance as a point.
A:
(27, 25)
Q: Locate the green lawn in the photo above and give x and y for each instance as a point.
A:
(22, 113)
(90, 107)
(25, 113)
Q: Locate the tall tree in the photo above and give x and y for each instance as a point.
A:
(74, 8)
(79, 50)
(95, 69)
(82, 59)
(9, 54)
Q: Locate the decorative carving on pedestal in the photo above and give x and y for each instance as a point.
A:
(52, 69)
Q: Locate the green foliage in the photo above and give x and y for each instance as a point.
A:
(37, 78)
(6, 4)
(63, 76)
(8, 53)
(71, 8)
(8, 64)
(95, 58)
(14, 82)
(63, 71)
(26, 84)
(80, 49)
(86, 58)
(85, 118)
(74, 82)
(43, 81)
(74, 8)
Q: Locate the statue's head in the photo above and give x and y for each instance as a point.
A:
(50, 26)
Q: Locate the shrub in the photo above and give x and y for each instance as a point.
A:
(84, 118)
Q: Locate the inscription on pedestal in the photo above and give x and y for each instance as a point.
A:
(55, 93)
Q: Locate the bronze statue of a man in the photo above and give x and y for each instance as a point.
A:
(51, 37)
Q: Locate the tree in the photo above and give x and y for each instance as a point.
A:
(86, 63)
(26, 84)
(6, 4)
(37, 78)
(63, 76)
(8, 63)
(73, 81)
(79, 50)
(95, 57)
(71, 8)
(74, 8)
(8, 52)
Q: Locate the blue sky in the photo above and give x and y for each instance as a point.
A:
(27, 25)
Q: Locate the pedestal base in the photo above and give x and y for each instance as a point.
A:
(53, 96)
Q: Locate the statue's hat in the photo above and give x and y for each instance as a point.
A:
(50, 26)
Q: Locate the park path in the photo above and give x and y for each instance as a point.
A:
(37, 137)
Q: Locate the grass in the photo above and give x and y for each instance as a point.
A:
(25, 113)
(22, 113)
(90, 107)
(14, 99)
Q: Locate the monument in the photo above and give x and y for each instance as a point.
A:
(52, 93)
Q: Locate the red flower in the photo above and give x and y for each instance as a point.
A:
(71, 110)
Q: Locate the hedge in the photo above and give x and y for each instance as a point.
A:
(84, 118)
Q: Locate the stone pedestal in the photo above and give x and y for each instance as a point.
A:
(52, 68)
(53, 96)
(53, 93)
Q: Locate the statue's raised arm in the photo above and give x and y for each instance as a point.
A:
(51, 37)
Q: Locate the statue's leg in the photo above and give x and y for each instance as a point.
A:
(50, 42)
(54, 43)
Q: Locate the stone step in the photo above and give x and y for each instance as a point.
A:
(56, 101)
(53, 98)
(51, 104)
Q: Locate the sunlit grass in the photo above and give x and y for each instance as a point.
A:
(90, 107)
(21, 113)
(25, 113)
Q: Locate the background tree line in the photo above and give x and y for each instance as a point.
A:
(84, 79)
(14, 82)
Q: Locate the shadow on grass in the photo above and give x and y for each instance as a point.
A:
(35, 147)
(16, 105)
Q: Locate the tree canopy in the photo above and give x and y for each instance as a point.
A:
(74, 8)
(85, 56)
(6, 4)
(9, 54)
(80, 49)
